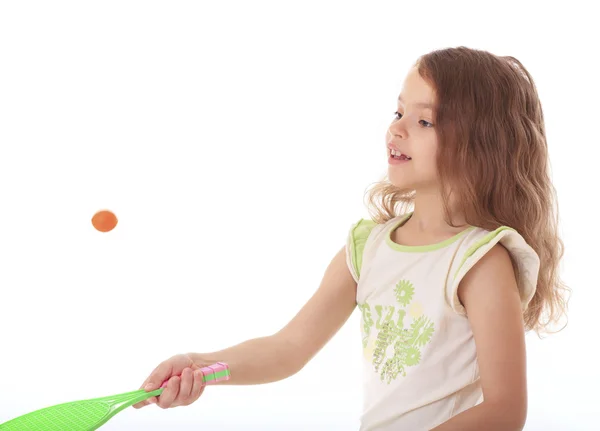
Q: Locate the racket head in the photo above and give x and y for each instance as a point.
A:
(89, 415)
(86, 415)
(75, 416)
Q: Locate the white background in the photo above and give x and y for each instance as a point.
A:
(234, 143)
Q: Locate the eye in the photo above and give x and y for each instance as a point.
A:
(423, 123)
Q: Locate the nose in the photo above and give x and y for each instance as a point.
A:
(394, 132)
(397, 130)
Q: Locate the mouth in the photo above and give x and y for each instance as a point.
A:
(397, 155)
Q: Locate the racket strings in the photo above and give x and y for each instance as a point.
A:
(71, 416)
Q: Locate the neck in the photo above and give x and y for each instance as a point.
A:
(428, 215)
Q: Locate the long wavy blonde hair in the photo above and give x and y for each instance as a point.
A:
(492, 144)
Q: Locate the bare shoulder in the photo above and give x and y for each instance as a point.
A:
(492, 274)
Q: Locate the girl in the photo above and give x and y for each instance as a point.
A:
(459, 260)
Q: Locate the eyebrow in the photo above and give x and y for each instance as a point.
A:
(418, 105)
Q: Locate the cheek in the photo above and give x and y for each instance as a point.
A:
(427, 156)
(425, 169)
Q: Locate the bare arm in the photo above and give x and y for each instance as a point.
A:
(490, 296)
(276, 357)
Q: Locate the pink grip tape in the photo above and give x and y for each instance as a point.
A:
(214, 369)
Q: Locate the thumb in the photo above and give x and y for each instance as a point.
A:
(160, 374)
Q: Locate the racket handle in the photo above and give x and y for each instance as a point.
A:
(211, 374)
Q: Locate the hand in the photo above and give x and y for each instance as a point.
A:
(184, 387)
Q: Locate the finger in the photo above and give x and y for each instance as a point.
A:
(199, 385)
(165, 400)
(148, 378)
(158, 376)
(151, 400)
(148, 386)
(185, 388)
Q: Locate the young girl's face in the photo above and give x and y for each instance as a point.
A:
(411, 137)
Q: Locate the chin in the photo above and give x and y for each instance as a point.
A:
(405, 181)
(400, 181)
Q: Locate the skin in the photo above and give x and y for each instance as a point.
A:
(488, 292)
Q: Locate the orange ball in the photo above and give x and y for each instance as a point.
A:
(104, 220)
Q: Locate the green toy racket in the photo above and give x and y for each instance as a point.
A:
(89, 415)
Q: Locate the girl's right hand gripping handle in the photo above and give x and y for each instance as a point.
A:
(212, 374)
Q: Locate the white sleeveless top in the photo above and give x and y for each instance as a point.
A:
(420, 361)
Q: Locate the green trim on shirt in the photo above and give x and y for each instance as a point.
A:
(483, 241)
(420, 248)
(359, 234)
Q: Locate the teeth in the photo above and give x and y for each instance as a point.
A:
(398, 154)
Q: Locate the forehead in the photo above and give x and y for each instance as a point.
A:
(416, 91)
